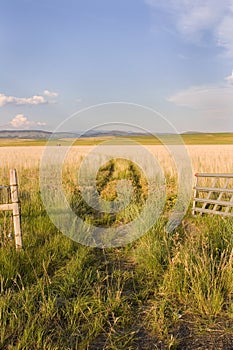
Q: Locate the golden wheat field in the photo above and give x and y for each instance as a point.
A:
(204, 158)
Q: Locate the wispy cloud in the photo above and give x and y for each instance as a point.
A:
(194, 18)
(224, 33)
(229, 79)
(50, 93)
(204, 97)
(34, 100)
(211, 99)
(22, 122)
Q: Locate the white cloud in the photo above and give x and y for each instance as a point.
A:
(205, 98)
(21, 121)
(209, 101)
(193, 18)
(50, 93)
(34, 100)
(224, 34)
(230, 78)
(40, 123)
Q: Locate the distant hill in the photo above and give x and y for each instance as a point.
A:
(34, 134)
(40, 134)
(192, 132)
(24, 134)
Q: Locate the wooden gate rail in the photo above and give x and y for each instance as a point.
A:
(14, 206)
(216, 204)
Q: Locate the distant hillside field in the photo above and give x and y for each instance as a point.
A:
(188, 139)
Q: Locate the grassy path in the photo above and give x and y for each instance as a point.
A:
(164, 291)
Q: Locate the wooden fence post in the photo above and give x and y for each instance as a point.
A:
(195, 193)
(15, 208)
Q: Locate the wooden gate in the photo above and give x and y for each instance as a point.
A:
(12, 204)
(213, 194)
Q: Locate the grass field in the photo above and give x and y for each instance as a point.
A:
(163, 291)
(188, 139)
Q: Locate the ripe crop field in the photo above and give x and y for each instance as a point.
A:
(162, 291)
(188, 139)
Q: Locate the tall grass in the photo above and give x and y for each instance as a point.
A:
(57, 294)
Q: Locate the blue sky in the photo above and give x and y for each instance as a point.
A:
(60, 56)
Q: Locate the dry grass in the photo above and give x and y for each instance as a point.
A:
(161, 291)
(205, 158)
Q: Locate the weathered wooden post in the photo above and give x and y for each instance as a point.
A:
(15, 208)
(195, 193)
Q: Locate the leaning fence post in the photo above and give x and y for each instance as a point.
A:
(195, 193)
(15, 208)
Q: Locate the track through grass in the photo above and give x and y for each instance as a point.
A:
(164, 291)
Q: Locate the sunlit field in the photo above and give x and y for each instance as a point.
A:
(204, 158)
(166, 290)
